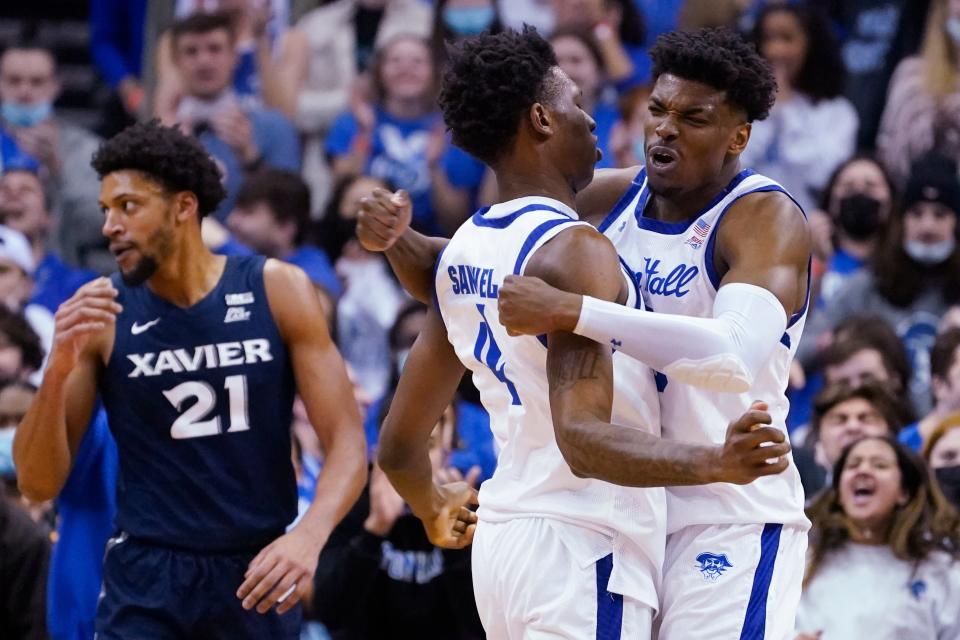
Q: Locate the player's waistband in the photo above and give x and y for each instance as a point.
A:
(245, 548)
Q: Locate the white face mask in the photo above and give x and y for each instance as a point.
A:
(953, 28)
(929, 254)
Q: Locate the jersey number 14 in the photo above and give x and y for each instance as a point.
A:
(193, 423)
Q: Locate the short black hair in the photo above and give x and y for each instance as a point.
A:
(491, 81)
(285, 194)
(21, 335)
(178, 162)
(823, 73)
(721, 59)
(202, 22)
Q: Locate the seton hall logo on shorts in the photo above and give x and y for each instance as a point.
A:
(712, 565)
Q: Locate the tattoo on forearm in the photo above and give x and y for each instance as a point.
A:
(576, 366)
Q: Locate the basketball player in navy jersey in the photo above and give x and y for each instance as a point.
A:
(196, 358)
(722, 255)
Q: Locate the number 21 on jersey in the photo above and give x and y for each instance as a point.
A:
(193, 423)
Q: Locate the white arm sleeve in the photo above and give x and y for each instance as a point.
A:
(722, 353)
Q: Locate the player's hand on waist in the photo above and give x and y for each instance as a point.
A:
(752, 450)
(530, 306)
(453, 523)
(87, 312)
(281, 573)
(382, 219)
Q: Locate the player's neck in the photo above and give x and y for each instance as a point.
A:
(188, 275)
(677, 207)
(515, 181)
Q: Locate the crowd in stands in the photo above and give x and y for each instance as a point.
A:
(309, 105)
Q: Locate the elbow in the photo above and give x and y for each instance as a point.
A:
(573, 455)
(37, 490)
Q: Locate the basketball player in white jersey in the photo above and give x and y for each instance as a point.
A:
(557, 552)
(722, 255)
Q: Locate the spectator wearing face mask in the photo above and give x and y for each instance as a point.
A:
(854, 209)
(28, 88)
(915, 275)
(942, 452)
(881, 551)
(922, 112)
(944, 387)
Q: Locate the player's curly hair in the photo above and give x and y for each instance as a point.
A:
(490, 82)
(722, 59)
(178, 162)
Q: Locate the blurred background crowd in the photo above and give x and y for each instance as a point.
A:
(308, 105)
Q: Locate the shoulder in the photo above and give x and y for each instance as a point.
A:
(284, 278)
(579, 260)
(605, 191)
(773, 211)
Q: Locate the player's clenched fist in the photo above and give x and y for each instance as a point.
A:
(530, 306)
(752, 450)
(383, 217)
(453, 523)
(90, 310)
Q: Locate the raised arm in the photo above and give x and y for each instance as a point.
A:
(321, 377)
(580, 374)
(383, 225)
(427, 384)
(50, 433)
(763, 249)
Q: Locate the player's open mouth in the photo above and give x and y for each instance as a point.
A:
(661, 157)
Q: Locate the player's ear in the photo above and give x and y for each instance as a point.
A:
(185, 206)
(541, 119)
(740, 138)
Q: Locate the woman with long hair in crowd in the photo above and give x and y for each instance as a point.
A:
(923, 101)
(812, 128)
(882, 551)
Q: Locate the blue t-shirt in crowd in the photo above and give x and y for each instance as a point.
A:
(840, 267)
(279, 146)
(13, 157)
(55, 281)
(312, 260)
(473, 430)
(86, 507)
(605, 115)
(398, 154)
(910, 436)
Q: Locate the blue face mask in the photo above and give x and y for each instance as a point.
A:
(468, 21)
(25, 115)
(6, 451)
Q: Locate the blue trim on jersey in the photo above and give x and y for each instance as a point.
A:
(708, 251)
(436, 270)
(505, 221)
(543, 340)
(785, 340)
(806, 302)
(676, 228)
(609, 605)
(624, 200)
(755, 622)
(538, 232)
(638, 301)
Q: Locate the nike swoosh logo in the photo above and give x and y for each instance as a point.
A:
(137, 329)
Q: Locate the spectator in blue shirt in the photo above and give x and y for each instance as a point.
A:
(398, 136)
(116, 46)
(241, 140)
(271, 218)
(23, 207)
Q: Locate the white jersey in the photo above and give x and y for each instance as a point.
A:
(532, 479)
(675, 272)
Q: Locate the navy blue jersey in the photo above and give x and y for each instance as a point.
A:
(200, 402)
